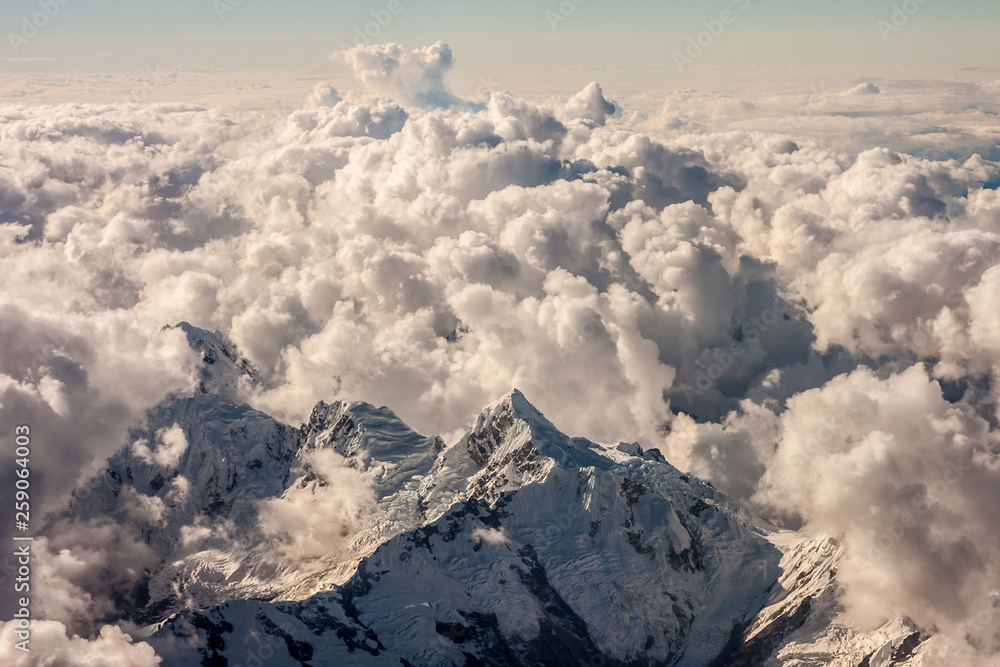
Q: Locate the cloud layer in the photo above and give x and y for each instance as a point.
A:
(813, 332)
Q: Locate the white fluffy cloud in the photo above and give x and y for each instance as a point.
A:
(322, 95)
(333, 497)
(170, 447)
(908, 478)
(50, 646)
(83, 571)
(412, 77)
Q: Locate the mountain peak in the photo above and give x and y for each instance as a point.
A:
(509, 416)
(515, 404)
(354, 428)
(224, 372)
(512, 444)
(374, 440)
(518, 537)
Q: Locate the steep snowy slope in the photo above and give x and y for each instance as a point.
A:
(539, 548)
(390, 459)
(223, 373)
(188, 484)
(191, 483)
(803, 624)
(517, 545)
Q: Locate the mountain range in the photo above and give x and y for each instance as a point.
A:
(353, 540)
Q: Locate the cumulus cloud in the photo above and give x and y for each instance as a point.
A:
(322, 95)
(170, 447)
(909, 480)
(333, 497)
(51, 646)
(85, 572)
(412, 77)
(715, 294)
(733, 453)
(588, 104)
(867, 88)
(490, 536)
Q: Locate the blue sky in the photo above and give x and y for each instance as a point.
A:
(808, 34)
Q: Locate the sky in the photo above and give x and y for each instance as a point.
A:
(915, 39)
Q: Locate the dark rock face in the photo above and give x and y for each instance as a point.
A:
(297, 649)
(755, 652)
(212, 626)
(482, 443)
(901, 653)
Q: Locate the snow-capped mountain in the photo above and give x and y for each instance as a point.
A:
(536, 547)
(516, 545)
(802, 623)
(189, 483)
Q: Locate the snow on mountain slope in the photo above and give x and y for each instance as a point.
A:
(192, 483)
(539, 548)
(223, 373)
(197, 509)
(390, 459)
(803, 624)
(517, 545)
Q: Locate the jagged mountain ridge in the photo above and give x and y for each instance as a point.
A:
(207, 503)
(516, 545)
(644, 566)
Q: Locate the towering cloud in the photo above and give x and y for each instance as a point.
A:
(908, 478)
(411, 77)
